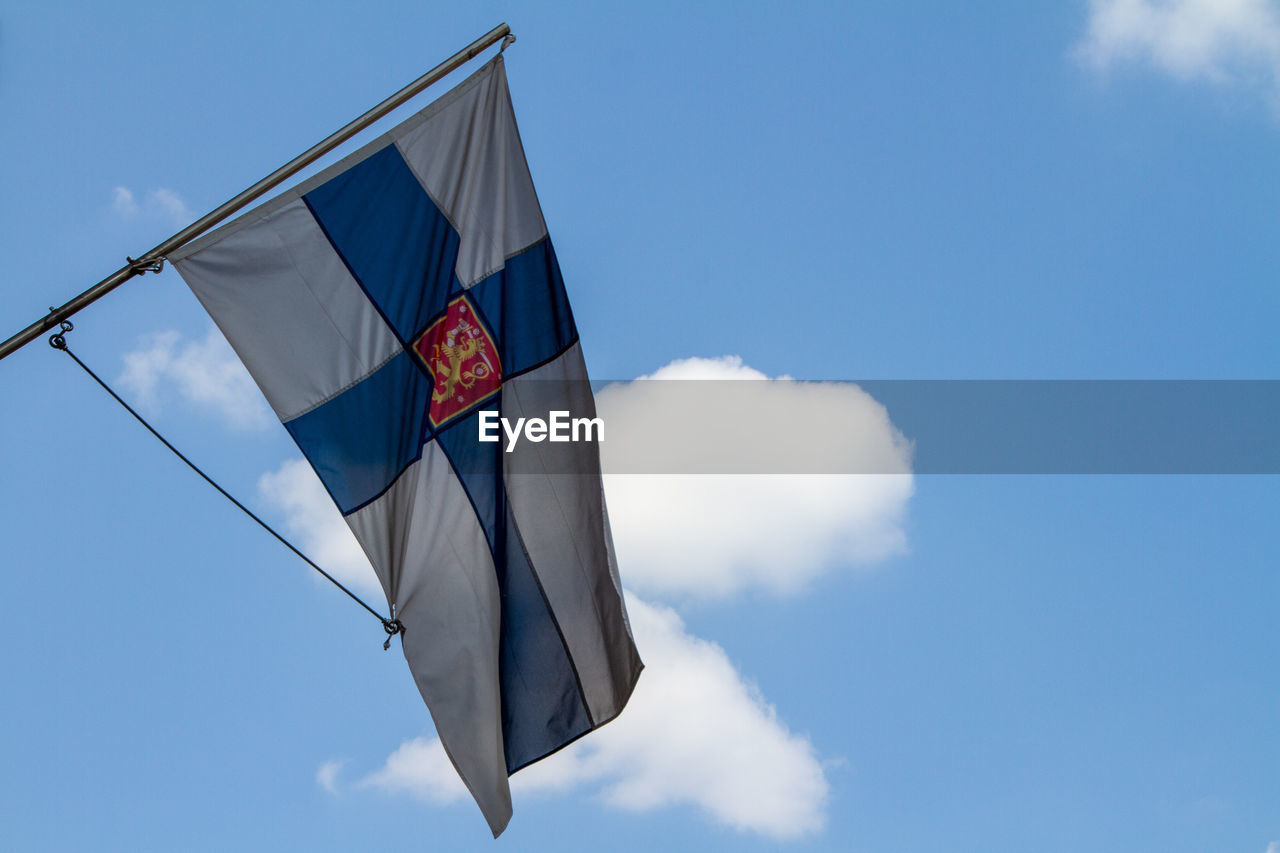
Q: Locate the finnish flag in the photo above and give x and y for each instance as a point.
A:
(381, 306)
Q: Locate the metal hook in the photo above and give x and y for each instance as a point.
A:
(141, 267)
(57, 339)
(392, 627)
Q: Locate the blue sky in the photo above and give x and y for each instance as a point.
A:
(888, 191)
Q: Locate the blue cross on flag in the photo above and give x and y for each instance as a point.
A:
(381, 306)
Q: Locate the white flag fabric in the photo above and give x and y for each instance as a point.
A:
(381, 307)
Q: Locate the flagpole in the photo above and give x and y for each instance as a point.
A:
(151, 261)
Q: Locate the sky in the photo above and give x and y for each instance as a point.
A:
(876, 191)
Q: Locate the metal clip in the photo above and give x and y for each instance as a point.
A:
(140, 267)
(57, 339)
(392, 627)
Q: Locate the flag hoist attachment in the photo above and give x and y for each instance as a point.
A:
(153, 260)
(58, 340)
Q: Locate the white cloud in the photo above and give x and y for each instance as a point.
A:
(421, 768)
(695, 733)
(1273, 847)
(123, 202)
(715, 536)
(702, 535)
(169, 204)
(711, 535)
(1216, 40)
(161, 203)
(204, 372)
(312, 518)
(327, 775)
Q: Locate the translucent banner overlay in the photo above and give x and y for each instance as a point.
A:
(785, 426)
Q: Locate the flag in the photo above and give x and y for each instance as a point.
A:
(381, 307)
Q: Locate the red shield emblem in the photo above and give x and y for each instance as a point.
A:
(463, 360)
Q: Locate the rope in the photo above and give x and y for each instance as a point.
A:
(390, 624)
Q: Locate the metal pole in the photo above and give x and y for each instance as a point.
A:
(204, 223)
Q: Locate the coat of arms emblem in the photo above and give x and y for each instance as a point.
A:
(463, 360)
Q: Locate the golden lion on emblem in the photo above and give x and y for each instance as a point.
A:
(449, 359)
